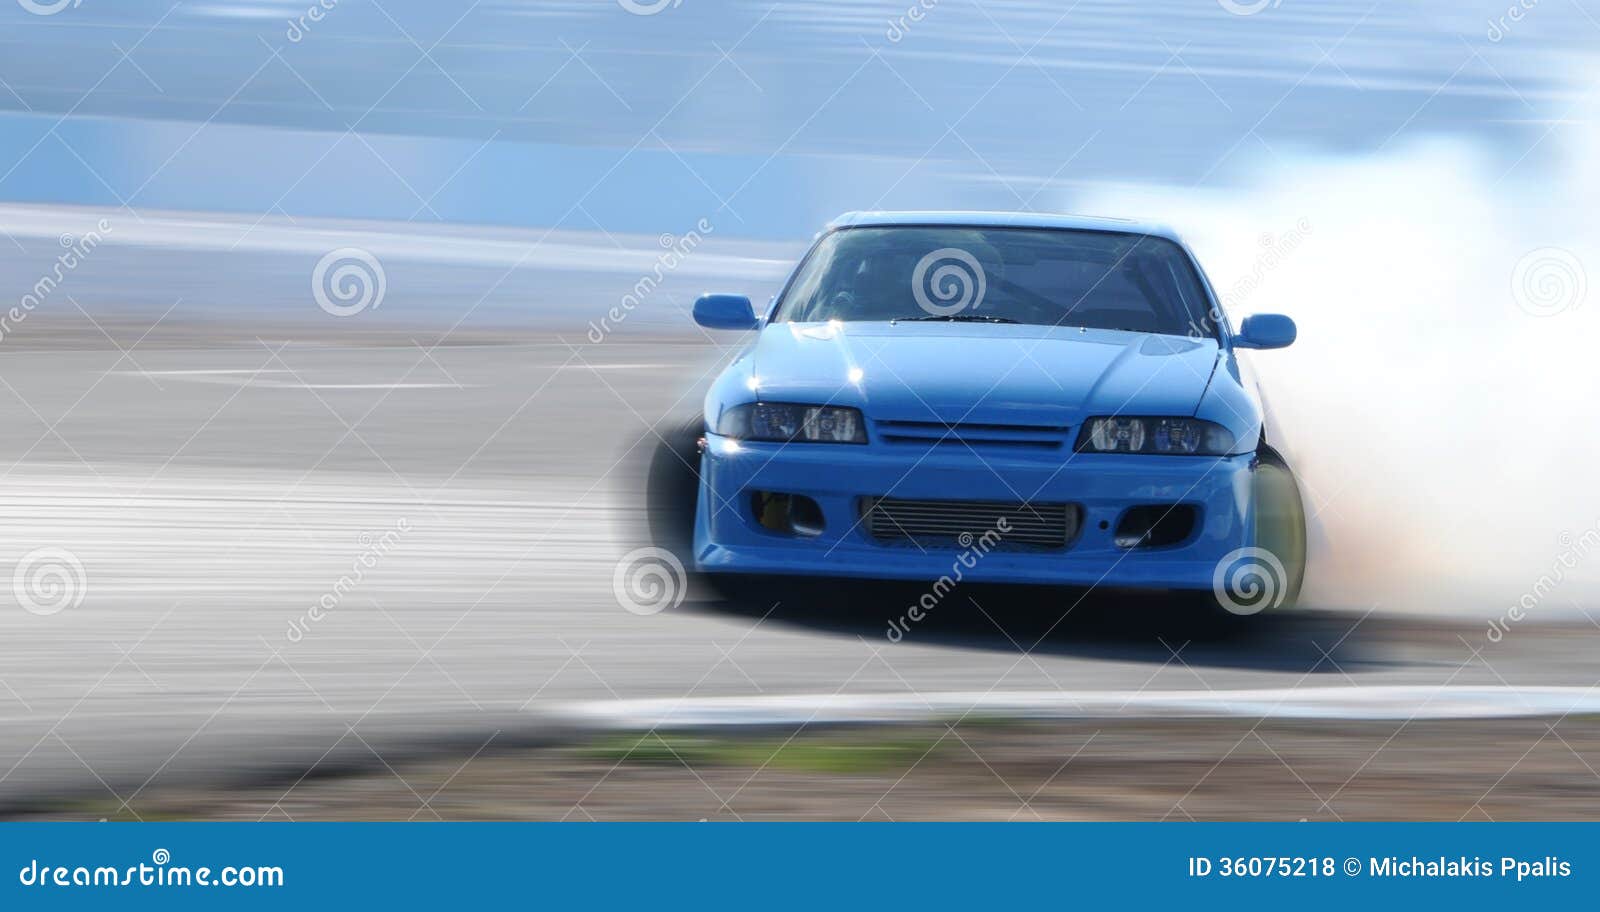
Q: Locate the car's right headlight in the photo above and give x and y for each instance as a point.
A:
(1157, 436)
(785, 422)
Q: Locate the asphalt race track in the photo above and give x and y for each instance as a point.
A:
(211, 497)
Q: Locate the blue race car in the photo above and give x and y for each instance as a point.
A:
(1021, 398)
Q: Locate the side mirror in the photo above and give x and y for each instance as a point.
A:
(725, 311)
(1265, 331)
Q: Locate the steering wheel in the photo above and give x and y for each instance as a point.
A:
(841, 303)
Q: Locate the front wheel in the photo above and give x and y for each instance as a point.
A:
(672, 486)
(672, 495)
(1268, 575)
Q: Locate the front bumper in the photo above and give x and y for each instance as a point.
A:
(728, 538)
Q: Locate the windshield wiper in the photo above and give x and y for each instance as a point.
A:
(957, 318)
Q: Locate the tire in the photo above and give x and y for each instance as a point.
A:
(672, 486)
(672, 495)
(1268, 576)
(1281, 522)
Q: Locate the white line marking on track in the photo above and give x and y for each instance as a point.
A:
(249, 378)
(202, 373)
(270, 384)
(1353, 703)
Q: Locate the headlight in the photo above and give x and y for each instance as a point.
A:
(784, 422)
(1162, 436)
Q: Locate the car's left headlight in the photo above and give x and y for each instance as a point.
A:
(1161, 436)
(785, 422)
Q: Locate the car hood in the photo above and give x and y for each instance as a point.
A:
(981, 372)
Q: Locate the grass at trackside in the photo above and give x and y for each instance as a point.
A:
(836, 752)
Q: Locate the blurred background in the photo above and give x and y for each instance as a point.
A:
(334, 332)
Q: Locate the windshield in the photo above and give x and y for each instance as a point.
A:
(1049, 276)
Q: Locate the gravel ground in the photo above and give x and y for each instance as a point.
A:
(982, 770)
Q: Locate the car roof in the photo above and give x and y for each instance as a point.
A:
(1005, 220)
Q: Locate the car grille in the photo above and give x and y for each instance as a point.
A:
(962, 522)
(974, 434)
